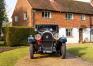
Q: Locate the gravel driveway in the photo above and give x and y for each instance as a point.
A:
(52, 60)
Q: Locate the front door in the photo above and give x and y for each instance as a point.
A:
(91, 35)
(81, 35)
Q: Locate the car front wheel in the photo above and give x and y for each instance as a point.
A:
(63, 51)
(31, 51)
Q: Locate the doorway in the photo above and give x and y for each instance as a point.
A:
(91, 35)
(81, 35)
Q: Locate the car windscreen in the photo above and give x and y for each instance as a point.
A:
(42, 28)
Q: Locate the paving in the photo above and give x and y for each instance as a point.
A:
(52, 60)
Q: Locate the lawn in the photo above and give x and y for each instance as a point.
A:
(85, 51)
(9, 58)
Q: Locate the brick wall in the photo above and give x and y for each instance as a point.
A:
(22, 6)
(60, 19)
(57, 17)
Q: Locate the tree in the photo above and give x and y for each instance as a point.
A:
(3, 16)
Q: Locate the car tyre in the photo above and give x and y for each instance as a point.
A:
(63, 51)
(31, 51)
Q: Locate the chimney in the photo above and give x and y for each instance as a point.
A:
(91, 2)
(51, 0)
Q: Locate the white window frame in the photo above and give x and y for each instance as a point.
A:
(25, 16)
(69, 15)
(69, 32)
(48, 13)
(16, 18)
(83, 17)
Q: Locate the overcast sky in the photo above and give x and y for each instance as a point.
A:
(10, 5)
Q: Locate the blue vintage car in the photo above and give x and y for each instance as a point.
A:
(47, 41)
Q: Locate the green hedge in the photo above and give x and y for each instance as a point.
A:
(17, 36)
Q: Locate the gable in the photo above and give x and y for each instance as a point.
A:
(21, 6)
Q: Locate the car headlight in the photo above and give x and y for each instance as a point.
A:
(56, 36)
(37, 36)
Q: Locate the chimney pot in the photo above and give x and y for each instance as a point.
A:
(51, 0)
(91, 2)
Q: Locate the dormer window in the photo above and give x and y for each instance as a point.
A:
(46, 14)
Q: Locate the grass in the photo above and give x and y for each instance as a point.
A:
(9, 58)
(85, 51)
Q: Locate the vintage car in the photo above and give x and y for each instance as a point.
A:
(47, 41)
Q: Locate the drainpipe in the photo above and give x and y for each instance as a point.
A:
(90, 27)
(33, 18)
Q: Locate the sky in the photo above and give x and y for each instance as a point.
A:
(10, 5)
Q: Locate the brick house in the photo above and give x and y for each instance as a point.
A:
(75, 18)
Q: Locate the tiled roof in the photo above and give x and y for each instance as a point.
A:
(63, 6)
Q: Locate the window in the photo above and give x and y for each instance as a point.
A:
(16, 18)
(46, 14)
(91, 31)
(25, 16)
(68, 32)
(83, 17)
(69, 16)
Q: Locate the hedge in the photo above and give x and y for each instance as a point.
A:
(17, 36)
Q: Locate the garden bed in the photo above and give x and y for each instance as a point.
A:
(2, 49)
(5, 48)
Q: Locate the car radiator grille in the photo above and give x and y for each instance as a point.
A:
(47, 39)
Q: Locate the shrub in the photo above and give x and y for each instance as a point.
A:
(17, 36)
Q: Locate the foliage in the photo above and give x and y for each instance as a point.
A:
(3, 16)
(1, 43)
(10, 58)
(17, 36)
